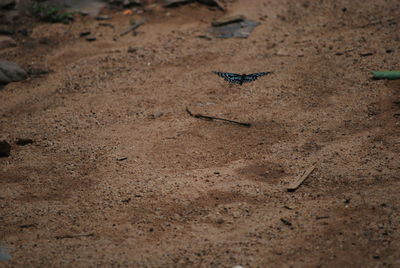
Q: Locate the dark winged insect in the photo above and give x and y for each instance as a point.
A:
(240, 78)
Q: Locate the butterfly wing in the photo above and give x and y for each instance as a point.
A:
(251, 77)
(230, 77)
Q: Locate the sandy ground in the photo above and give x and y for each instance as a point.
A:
(196, 193)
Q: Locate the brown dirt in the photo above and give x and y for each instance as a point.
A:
(195, 193)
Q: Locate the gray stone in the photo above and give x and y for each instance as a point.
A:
(91, 7)
(11, 72)
(241, 29)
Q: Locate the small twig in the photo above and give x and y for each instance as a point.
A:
(27, 225)
(133, 27)
(73, 236)
(321, 217)
(300, 179)
(216, 118)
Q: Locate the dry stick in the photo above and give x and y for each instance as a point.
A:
(73, 236)
(300, 179)
(133, 27)
(216, 118)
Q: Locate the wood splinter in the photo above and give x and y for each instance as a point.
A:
(216, 118)
(300, 179)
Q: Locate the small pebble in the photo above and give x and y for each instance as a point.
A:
(5, 149)
(102, 17)
(132, 50)
(22, 141)
(158, 114)
(84, 33)
(220, 221)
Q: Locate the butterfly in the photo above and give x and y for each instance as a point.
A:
(240, 78)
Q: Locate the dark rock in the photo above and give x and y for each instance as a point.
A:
(7, 4)
(84, 33)
(214, 3)
(11, 72)
(90, 7)
(125, 3)
(91, 38)
(23, 141)
(174, 3)
(5, 149)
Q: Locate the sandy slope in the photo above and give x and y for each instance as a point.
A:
(195, 193)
